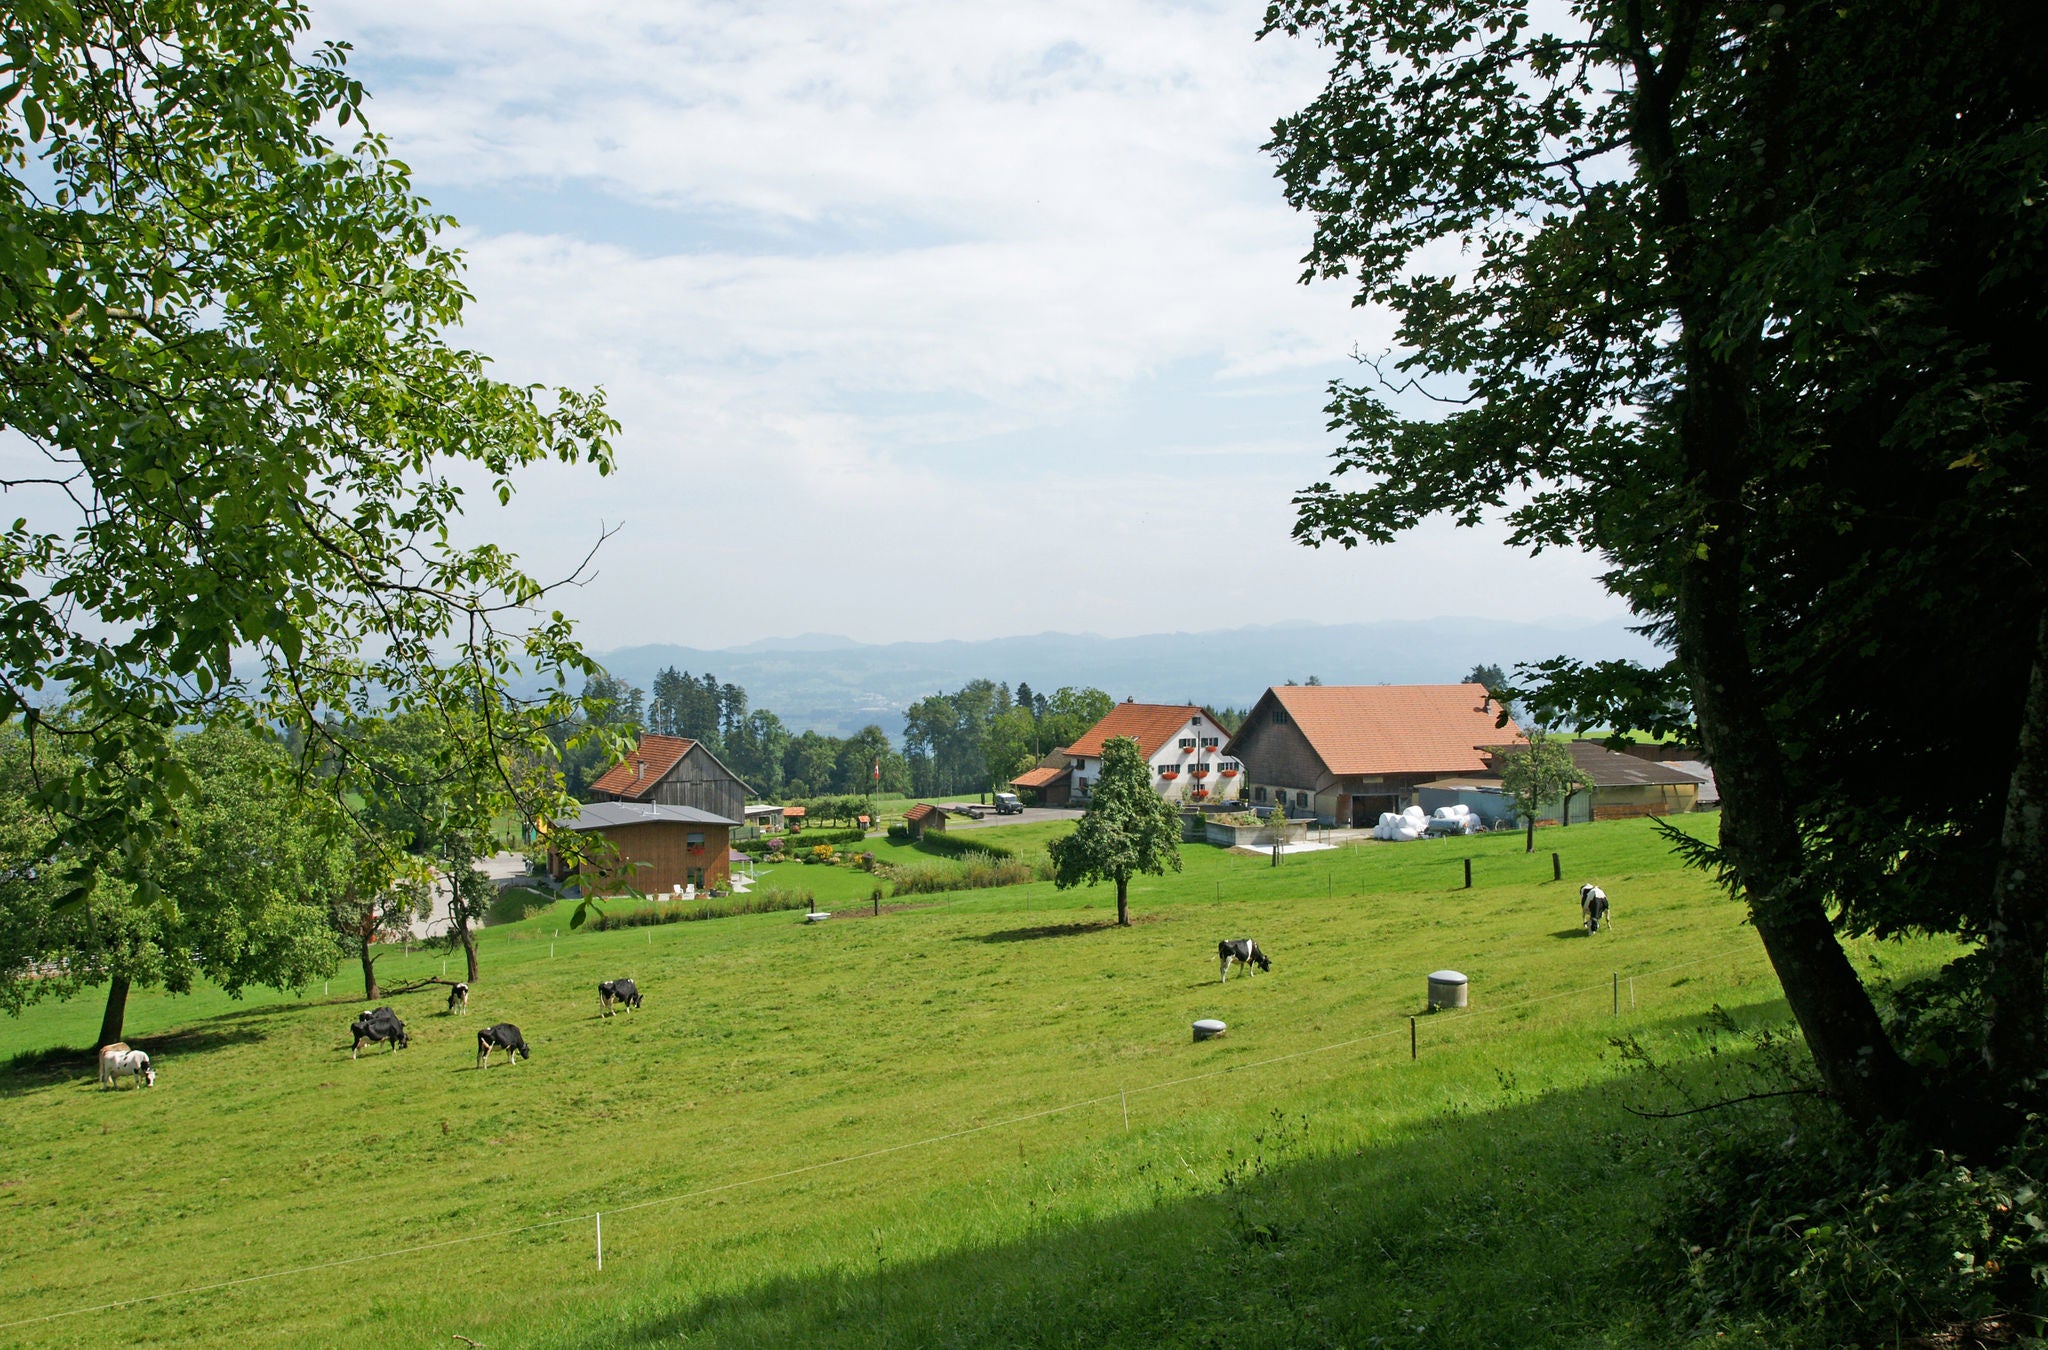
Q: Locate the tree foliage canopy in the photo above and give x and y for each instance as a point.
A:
(234, 416)
(1746, 298)
(1128, 828)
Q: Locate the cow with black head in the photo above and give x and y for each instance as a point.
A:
(378, 1024)
(504, 1036)
(623, 992)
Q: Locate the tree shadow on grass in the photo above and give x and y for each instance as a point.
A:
(1476, 1228)
(1059, 930)
(1043, 930)
(35, 1070)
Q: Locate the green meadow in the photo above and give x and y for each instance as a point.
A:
(978, 1119)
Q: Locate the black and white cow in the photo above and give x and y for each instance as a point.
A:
(458, 998)
(623, 992)
(504, 1036)
(117, 1059)
(1592, 907)
(1244, 951)
(378, 1024)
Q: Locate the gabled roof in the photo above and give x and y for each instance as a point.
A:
(1151, 725)
(922, 811)
(636, 775)
(1038, 778)
(1392, 728)
(604, 815)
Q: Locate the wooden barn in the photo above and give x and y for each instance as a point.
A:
(674, 771)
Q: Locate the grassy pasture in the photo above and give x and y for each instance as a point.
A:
(911, 1129)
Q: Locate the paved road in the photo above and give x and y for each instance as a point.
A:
(498, 867)
(1032, 816)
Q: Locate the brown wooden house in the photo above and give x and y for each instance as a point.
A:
(674, 771)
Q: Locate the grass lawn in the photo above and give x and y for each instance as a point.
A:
(977, 1120)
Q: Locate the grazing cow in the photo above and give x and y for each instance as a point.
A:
(379, 1024)
(622, 992)
(504, 1036)
(1592, 906)
(118, 1059)
(458, 998)
(1244, 951)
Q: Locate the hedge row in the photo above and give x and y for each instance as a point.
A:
(793, 844)
(762, 902)
(953, 846)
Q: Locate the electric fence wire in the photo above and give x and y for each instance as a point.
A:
(385, 1254)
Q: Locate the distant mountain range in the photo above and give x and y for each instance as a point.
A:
(835, 685)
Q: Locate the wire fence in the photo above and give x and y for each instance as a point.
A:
(1121, 1096)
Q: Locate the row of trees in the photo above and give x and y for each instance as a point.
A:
(971, 740)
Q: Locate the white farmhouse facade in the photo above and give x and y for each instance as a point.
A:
(1182, 743)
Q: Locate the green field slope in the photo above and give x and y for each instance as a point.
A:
(976, 1120)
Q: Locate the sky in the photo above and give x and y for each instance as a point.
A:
(923, 320)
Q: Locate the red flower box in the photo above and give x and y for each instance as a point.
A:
(1168, 773)
(1229, 773)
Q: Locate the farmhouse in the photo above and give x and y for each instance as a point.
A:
(674, 771)
(657, 847)
(1619, 786)
(1182, 743)
(1346, 753)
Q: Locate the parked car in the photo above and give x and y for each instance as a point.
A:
(1009, 804)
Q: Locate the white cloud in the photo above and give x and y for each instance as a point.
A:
(892, 296)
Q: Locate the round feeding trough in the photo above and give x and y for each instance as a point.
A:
(1447, 989)
(1208, 1029)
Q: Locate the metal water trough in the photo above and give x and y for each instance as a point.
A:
(1447, 989)
(1208, 1028)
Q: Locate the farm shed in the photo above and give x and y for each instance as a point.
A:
(658, 847)
(924, 816)
(1622, 786)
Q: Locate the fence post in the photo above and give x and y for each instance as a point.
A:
(1556, 868)
(600, 1239)
(1121, 1096)
(1468, 874)
(1617, 991)
(1412, 1052)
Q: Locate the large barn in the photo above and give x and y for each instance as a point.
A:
(1345, 753)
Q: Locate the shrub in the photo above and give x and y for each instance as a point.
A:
(1789, 1224)
(946, 846)
(770, 900)
(820, 853)
(976, 871)
(899, 832)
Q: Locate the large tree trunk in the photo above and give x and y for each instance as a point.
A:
(468, 949)
(1123, 910)
(2017, 943)
(1759, 825)
(117, 1010)
(369, 959)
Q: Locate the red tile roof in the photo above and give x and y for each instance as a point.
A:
(922, 811)
(1150, 724)
(1396, 728)
(1038, 778)
(641, 770)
